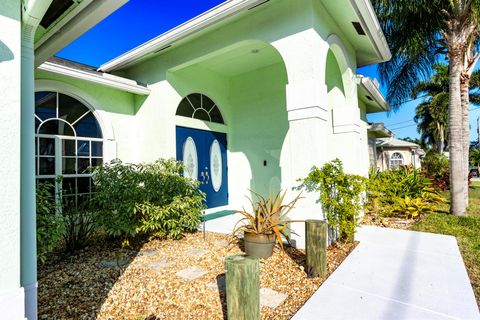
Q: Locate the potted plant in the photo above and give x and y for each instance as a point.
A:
(265, 224)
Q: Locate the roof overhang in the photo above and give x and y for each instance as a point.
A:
(393, 142)
(78, 19)
(369, 93)
(369, 22)
(361, 9)
(100, 78)
(357, 21)
(378, 130)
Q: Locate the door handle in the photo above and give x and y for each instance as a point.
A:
(207, 177)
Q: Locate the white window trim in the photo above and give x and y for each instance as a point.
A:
(103, 118)
(401, 160)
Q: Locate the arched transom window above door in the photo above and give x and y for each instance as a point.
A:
(199, 106)
(68, 141)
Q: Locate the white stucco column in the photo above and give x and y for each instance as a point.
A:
(11, 292)
(306, 143)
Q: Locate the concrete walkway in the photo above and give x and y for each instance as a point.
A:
(394, 275)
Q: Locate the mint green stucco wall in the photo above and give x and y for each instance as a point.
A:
(260, 125)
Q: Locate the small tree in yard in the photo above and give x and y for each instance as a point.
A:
(50, 226)
(340, 196)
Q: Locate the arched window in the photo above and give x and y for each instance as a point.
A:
(396, 160)
(68, 141)
(201, 107)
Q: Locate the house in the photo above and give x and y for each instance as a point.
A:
(376, 131)
(250, 95)
(393, 152)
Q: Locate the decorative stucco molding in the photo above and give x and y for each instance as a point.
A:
(307, 99)
(346, 120)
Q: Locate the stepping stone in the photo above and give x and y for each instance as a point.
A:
(218, 285)
(221, 243)
(161, 264)
(271, 298)
(148, 253)
(191, 273)
(113, 263)
(196, 252)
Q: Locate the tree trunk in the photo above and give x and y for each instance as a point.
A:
(457, 169)
(464, 88)
(441, 142)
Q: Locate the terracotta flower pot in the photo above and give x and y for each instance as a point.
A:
(259, 245)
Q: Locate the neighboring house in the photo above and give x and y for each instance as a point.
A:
(375, 132)
(392, 153)
(371, 97)
(250, 95)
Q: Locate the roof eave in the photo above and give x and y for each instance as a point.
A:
(371, 26)
(374, 92)
(379, 130)
(65, 32)
(107, 80)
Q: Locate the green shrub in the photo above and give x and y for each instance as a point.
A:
(50, 226)
(150, 198)
(340, 196)
(80, 224)
(436, 168)
(403, 192)
(412, 208)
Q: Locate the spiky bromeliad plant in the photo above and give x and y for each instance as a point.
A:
(268, 216)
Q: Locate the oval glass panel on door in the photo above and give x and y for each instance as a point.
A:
(216, 170)
(190, 158)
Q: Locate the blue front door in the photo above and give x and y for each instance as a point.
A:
(204, 154)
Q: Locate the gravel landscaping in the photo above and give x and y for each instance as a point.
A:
(167, 279)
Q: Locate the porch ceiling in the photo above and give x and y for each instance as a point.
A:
(238, 59)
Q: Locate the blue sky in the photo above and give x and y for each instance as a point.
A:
(141, 20)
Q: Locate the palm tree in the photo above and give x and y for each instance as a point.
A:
(420, 33)
(431, 115)
(432, 118)
(475, 157)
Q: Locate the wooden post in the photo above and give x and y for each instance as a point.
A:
(242, 277)
(316, 247)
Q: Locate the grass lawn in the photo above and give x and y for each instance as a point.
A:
(465, 229)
